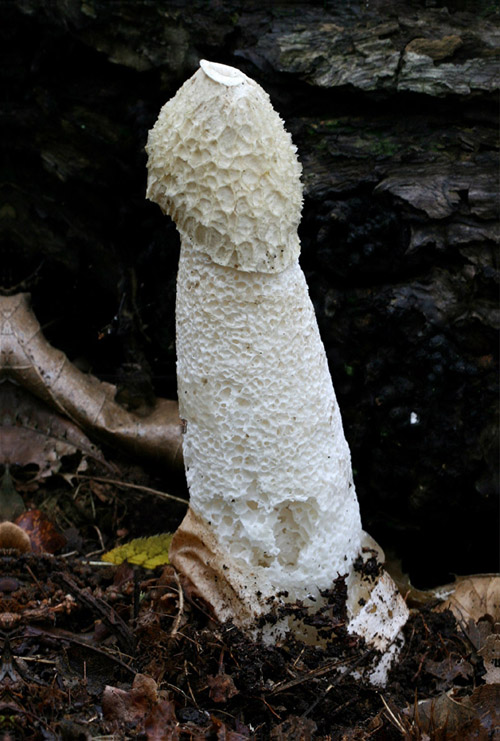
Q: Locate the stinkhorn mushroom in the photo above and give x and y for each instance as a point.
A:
(273, 507)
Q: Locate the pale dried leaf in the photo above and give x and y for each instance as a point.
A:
(473, 597)
(222, 687)
(475, 602)
(29, 360)
(442, 713)
(455, 719)
(449, 669)
(130, 706)
(486, 702)
(478, 633)
(296, 728)
(31, 433)
(490, 653)
(161, 723)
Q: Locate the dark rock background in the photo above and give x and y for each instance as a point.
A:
(393, 109)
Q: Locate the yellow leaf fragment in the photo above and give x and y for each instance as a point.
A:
(146, 552)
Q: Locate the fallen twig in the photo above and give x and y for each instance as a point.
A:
(107, 613)
(320, 671)
(180, 611)
(126, 485)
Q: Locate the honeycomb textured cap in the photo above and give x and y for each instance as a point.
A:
(223, 167)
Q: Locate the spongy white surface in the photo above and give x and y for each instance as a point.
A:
(223, 167)
(267, 462)
(381, 618)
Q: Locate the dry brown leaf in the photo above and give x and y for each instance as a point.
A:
(26, 358)
(294, 728)
(141, 707)
(490, 653)
(161, 723)
(475, 602)
(130, 706)
(442, 717)
(414, 597)
(446, 718)
(227, 734)
(448, 670)
(33, 435)
(473, 597)
(222, 687)
(44, 537)
(486, 702)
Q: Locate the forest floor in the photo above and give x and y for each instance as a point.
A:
(93, 650)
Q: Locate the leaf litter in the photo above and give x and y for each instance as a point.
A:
(95, 650)
(113, 651)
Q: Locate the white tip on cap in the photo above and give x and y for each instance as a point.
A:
(222, 73)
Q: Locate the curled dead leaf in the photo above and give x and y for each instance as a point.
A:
(475, 603)
(486, 702)
(34, 436)
(490, 653)
(472, 597)
(222, 687)
(27, 359)
(442, 716)
(449, 669)
(141, 707)
(294, 727)
(161, 723)
(130, 706)
(456, 718)
(43, 536)
(224, 733)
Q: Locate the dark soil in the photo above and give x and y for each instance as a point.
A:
(92, 650)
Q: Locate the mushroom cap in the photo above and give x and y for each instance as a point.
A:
(223, 167)
(13, 537)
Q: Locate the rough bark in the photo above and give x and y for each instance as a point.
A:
(392, 107)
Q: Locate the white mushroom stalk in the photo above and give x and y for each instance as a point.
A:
(272, 501)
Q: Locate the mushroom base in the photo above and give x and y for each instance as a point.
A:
(376, 610)
(215, 577)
